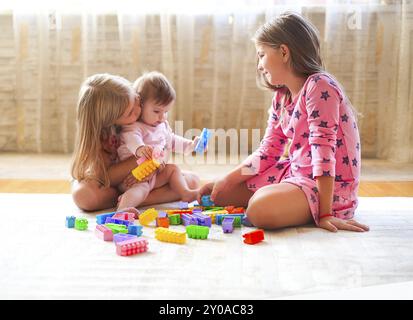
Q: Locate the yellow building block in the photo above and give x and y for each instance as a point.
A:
(148, 216)
(168, 235)
(145, 169)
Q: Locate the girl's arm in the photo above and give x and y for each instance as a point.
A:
(119, 171)
(325, 186)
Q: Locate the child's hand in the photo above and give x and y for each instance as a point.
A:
(130, 180)
(333, 224)
(144, 151)
(162, 166)
(195, 142)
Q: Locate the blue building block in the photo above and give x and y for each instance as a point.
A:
(203, 141)
(135, 229)
(246, 222)
(206, 201)
(101, 218)
(117, 221)
(70, 221)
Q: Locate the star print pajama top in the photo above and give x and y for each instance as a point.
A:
(324, 142)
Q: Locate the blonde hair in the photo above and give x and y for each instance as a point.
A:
(103, 98)
(154, 86)
(301, 37)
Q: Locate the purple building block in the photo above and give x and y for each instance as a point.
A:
(183, 205)
(228, 224)
(202, 219)
(188, 219)
(162, 214)
(119, 237)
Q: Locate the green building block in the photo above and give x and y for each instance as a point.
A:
(213, 208)
(197, 232)
(174, 219)
(81, 224)
(237, 221)
(117, 228)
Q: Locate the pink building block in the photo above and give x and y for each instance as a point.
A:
(131, 247)
(103, 232)
(128, 216)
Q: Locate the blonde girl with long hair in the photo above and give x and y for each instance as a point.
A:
(318, 181)
(105, 103)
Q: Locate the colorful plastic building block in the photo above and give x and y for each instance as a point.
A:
(178, 211)
(128, 216)
(174, 219)
(145, 168)
(119, 237)
(254, 237)
(131, 247)
(162, 214)
(70, 221)
(146, 217)
(246, 222)
(228, 224)
(101, 218)
(183, 205)
(202, 219)
(168, 235)
(188, 219)
(210, 214)
(134, 229)
(237, 218)
(117, 228)
(203, 141)
(103, 232)
(81, 224)
(197, 232)
(232, 209)
(162, 222)
(206, 201)
(117, 221)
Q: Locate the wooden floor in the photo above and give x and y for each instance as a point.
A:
(367, 188)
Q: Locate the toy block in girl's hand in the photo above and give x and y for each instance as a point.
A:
(145, 168)
(131, 247)
(203, 141)
(206, 201)
(254, 237)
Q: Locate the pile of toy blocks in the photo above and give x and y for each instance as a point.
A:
(120, 227)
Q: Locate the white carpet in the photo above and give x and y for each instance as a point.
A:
(41, 259)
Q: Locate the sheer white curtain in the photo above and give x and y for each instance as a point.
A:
(207, 53)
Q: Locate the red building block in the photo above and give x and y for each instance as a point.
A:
(253, 237)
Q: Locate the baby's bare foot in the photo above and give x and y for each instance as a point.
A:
(190, 195)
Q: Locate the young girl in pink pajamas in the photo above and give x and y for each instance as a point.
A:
(319, 180)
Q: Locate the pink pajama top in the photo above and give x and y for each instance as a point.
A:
(324, 142)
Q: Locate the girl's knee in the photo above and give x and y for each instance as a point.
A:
(85, 199)
(258, 212)
(88, 196)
